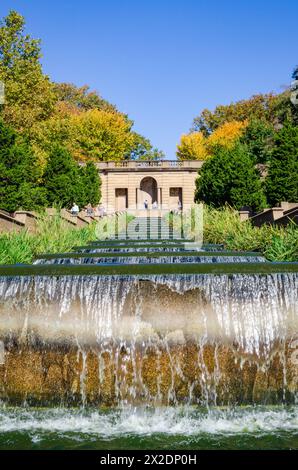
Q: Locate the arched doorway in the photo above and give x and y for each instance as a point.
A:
(148, 190)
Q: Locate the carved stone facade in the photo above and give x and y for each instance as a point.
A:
(157, 184)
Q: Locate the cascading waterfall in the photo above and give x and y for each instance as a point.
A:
(209, 339)
(149, 249)
(101, 353)
(155, 260)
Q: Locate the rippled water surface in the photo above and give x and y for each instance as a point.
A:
(149, 428)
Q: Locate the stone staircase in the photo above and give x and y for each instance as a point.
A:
(149, 228)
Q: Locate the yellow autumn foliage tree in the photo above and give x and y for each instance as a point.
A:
(195, 146)
(226, 135)
(96, 135)
(192, 147)
(101, 135)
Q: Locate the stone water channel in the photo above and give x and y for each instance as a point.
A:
(156, 323)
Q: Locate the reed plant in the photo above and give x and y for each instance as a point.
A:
(223, 226)
(53, 235)
(275, 243)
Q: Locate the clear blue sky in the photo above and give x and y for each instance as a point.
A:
(163, 61)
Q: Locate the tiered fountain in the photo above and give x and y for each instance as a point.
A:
(149, 322)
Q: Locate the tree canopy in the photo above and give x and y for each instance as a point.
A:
(230, 177)
(47, 128)
(29, 94)
(259, 138)
(142, 149)
(226, 135)
(258, 106)
(67, 183)
(19, 173)
(195, 146)
(48, 113)
(239, 136)
(282, 179)
(91, 183)
(74, 99)
(192, 147)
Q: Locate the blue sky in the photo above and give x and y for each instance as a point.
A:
(164, 61)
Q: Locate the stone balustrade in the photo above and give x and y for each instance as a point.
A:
(156, 164)
(283, 215)
(27, 220)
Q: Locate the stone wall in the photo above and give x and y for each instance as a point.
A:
(171, 178)
(27, 220)
(282, 216)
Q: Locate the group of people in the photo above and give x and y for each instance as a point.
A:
(90, 211)
(99, 211)
(146, 205)
(155, 205)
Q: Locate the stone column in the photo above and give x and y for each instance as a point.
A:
(277, 212)
(244, 215)
(166, 196)
(138, 199)
(160, 198)
(131, 197)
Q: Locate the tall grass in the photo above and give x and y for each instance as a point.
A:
(224, 226)
(53, 235)
(276, 243)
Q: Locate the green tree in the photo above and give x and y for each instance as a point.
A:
(19, 173)
(155, 154)
(256, 107)
(29, 95)
(62, 179)
(294, 107)
(91, 183)
(80, 98)
(259, 138)
(284, 110)
(230, 177)
(282, 180)
(142, 149)
(275, 110)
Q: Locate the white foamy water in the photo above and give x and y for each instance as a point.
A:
(146, 422)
